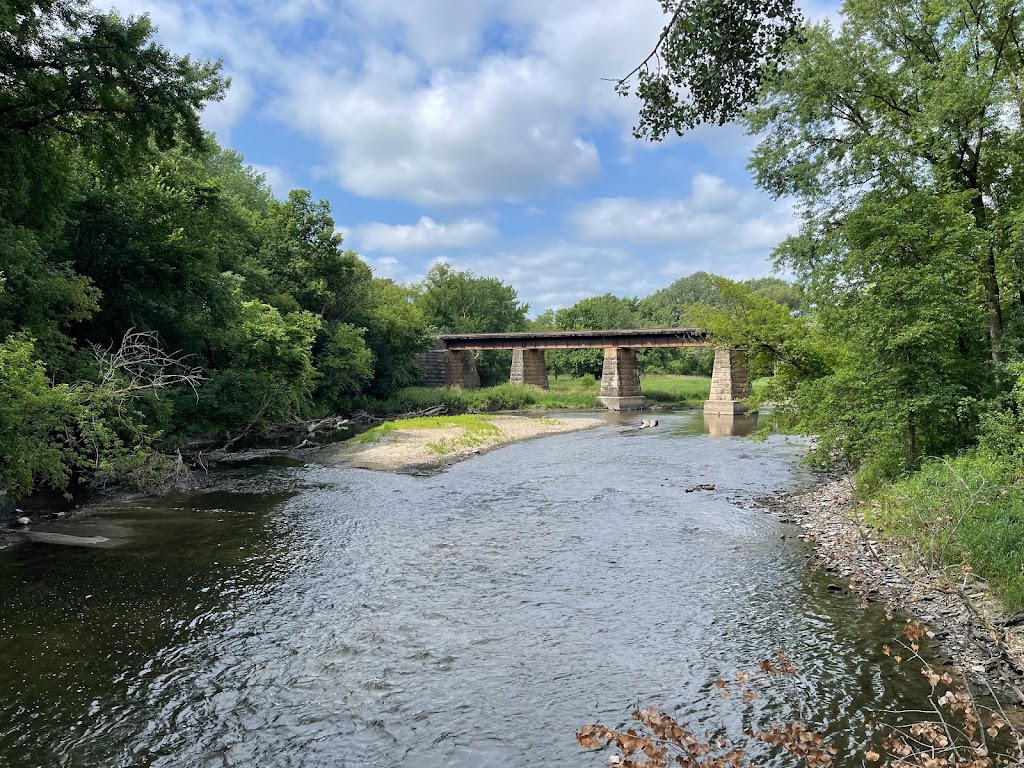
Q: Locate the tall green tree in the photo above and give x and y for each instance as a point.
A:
(79, 88)
(917, 96)
(898, 134)
(457, 301)
(591, 314)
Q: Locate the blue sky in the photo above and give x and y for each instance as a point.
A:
(480, 132)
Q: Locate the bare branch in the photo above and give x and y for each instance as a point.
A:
(140, 365)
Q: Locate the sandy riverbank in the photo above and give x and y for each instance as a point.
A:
(406, 450)
(968, 622)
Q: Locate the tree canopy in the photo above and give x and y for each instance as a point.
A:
(709, 62)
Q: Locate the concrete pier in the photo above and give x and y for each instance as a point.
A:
(620, 381)
(730, 383)
(528, 367)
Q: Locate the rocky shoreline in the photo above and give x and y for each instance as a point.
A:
(966, 619)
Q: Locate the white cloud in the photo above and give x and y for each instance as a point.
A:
(464, 101)
(715, 216)
(280, 182)
(425, 235)
(496, 133)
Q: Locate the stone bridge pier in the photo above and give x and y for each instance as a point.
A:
(730, 383)
(443, 367)
(620, 381)
(529, 367)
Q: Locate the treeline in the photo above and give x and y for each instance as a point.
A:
(668, 308)
(899, 134)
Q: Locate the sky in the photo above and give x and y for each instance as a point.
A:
(481, 133)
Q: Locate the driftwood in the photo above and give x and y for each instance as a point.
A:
(363, 418)
(312, 427)
(316, 425)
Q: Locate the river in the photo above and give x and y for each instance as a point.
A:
(321, 616)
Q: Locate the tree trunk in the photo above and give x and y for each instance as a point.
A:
(911, 442)
(991, 282)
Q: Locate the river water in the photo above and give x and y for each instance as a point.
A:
(319, 616)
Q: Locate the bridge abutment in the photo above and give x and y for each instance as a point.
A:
(730, 383)
(528, 367)
(620, 381)
(460, 370)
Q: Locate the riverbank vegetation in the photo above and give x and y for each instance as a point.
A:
(564, 393)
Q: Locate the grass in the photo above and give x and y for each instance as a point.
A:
(676, 390)
(563, 394)
(964, 511)
(474, 426)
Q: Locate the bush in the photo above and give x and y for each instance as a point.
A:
(963, 510)
(51, 434)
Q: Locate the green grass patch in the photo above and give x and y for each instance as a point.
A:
(474, 426)
(564, 393)
(957, 511)
(665, 389)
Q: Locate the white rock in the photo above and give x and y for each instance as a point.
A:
(24, 521)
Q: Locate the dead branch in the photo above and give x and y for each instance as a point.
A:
(140, 365)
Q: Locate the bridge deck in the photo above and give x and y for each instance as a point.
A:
(634, 338)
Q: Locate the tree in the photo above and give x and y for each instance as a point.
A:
(456, 301)
(395, 332)
(78, 88)
(708, 62)
(899, 136)
(71, 73)
(593, 313)
(269, 376)
(159, 246)
(905, 98)
(460, 302)
(53, 434)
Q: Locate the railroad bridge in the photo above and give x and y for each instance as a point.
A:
(450, 363)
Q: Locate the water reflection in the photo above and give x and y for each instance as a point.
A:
(728, 424)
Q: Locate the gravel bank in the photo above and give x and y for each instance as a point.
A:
(407, 450)
(969, 624)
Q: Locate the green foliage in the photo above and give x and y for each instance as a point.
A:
(271, 377)
(52, 434)
(594, 313)
(460, 302)
(708, 62)
(345, 364)
(901, 107)
(396, 332)
(964, 510)
(158, 246)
